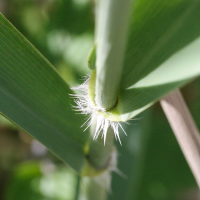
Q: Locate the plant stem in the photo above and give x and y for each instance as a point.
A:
(99, 154)
(91, 189)
(96, 191)
(184, 129)
(111, 33)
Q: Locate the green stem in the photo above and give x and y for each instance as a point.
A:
(111, 33)
(94, 191)
(99, 157)
(99, 154)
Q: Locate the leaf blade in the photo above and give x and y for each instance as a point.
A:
(162, 80)
(158, 30)
(36, 98)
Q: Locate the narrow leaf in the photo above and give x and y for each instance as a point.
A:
(158, 30)
(178, 70)
(36, 99)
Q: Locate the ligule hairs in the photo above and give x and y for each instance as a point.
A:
(86, 107)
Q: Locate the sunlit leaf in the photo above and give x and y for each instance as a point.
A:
(159, 29)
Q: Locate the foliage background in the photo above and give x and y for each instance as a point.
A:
(63, 31)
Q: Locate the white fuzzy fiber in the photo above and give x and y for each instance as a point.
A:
(86, 107)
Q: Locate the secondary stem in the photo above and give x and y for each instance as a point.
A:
(92, 189)
(184, 129)
(96, 191)
(99, 157)
(99, 154)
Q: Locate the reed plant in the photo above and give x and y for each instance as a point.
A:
(142, 51)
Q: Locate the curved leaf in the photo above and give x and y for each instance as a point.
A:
(181, 68)
(158, 30)
(36, 98)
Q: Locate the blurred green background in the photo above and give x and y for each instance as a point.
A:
(150, 159)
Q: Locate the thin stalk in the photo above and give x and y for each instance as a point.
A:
(184, 129)
(99, 157)
(99, 154)
(111, 33)
(92, 189)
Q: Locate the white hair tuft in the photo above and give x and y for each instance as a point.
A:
(86, 107)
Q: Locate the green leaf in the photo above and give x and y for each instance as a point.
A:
(36, 99)
(178, 70)
(152, 66)
(158, 29)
